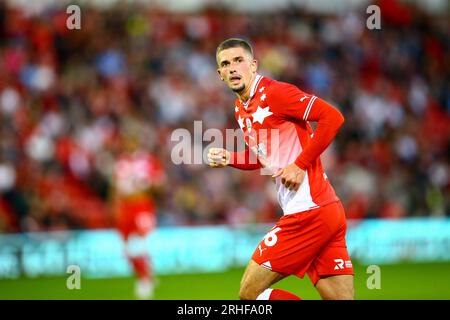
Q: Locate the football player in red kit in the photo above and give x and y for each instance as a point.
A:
(137, 174)
(310, 237)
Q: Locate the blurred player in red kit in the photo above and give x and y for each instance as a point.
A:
(310, 237)
(137, 179)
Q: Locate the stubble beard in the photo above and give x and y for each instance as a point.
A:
(239, 89)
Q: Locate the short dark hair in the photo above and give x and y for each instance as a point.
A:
(234, 43)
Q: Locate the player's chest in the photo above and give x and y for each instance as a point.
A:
(255, 115)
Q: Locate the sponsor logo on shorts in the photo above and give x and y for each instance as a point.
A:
(348, 264)
(341, 264)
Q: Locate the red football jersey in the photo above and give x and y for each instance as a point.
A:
(275, 123)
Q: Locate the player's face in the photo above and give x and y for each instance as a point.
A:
(236, 68)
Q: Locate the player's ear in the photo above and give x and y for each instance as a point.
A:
(254, 65)
(220, 76)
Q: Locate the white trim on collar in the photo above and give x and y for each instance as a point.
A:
(255, 84)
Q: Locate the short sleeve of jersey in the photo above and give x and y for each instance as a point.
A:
(290, 102)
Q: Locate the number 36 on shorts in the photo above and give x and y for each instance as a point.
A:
(270, 239)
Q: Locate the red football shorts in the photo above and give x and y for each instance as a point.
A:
(136, 216)
(311, 242)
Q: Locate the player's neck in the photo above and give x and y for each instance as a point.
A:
(245, 95)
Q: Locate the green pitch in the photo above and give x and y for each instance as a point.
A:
(401, 281)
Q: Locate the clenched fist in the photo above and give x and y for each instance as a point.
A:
(218, 157)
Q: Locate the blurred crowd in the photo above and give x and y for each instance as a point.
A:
(71, 99)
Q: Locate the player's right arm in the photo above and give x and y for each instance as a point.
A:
(245, 160)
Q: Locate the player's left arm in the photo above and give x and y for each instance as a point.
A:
(329, 120)
(295, 105)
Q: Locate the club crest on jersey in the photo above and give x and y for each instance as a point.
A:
(249, 124)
